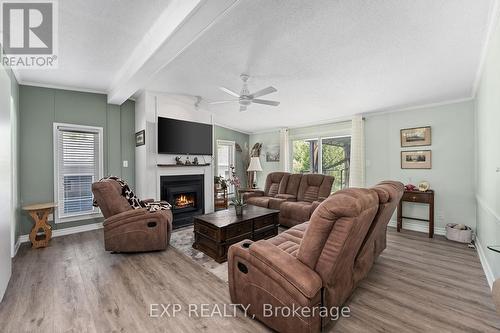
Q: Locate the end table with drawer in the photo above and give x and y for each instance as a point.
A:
(426, 197)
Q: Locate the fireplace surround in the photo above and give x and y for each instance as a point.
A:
(186, 195)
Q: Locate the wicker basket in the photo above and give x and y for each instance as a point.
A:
(457, 235)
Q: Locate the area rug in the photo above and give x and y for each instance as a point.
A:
(183, 238)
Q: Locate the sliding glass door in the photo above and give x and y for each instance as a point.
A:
(335, 160)
(326, 155)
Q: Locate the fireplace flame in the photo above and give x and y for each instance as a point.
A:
(184, 201)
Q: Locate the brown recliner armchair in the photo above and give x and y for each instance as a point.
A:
(389, 194)
(309, 265)
(275, 184)
(313, 187)
(127, 229)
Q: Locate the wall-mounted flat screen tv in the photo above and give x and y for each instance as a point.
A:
(184, 137)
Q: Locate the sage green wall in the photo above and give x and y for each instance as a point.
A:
(267, 139)
(488, 157)
(222, 133)
(452, 173)
(39, 109)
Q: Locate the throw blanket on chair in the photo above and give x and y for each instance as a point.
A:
(135, 202)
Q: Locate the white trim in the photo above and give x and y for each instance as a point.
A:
(417, 226)
(493, 23)
(16, 246)
(416, 107)
(100, 131)
(487, 208)
(484, 262)
(61, 87)
(231, 128)
(66, 231)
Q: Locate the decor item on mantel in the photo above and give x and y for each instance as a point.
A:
(238, 198)
(416, 159)
(140, 138)
(178, 160)
(418, 136)
(254, 167)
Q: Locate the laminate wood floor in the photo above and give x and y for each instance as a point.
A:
(417, 285)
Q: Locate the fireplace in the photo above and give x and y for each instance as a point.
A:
(186, 195)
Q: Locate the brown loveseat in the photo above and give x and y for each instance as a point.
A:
(127, 229)
(295, 195)
(313, 187)
(313, 263)
(275, 184)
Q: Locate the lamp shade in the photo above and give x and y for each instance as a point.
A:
(254, 164)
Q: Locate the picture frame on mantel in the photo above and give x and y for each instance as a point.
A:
(140, 138)
(416, 159)
(417, 136)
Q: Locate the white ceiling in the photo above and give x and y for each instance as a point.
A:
(329, 59)
(95, 39)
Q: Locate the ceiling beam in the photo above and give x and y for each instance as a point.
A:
(180, 24)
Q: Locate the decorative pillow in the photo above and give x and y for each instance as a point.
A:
(127, 193)
(157, 205)
(134, 201)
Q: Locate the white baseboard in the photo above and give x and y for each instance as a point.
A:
(418, 226)
(63, 232)
(16, 246)
(486, 267)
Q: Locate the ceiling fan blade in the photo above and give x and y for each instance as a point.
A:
(266, 102)
(243, 108)
(264, 91)
(222, 102)
(230, 92)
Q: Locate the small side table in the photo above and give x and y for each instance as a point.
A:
(426, 197)
(40, 214)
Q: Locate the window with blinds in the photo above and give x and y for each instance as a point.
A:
(78, 163)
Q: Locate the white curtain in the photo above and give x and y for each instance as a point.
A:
(357, 167)
(285, 149)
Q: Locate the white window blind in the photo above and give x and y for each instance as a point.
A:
(78, 152)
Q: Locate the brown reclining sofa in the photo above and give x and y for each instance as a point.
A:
(295, 195)
(314, 264)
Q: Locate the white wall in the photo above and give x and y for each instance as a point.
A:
(150, 106)
(488, 158)
(452, 173)
(8, 174)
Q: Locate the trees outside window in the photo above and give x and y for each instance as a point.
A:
(329, 156)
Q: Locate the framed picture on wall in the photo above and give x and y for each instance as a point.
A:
(273, 153)
(140, 138)
(416, 159)
(418, 136)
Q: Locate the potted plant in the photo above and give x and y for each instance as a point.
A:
(220, 182)
(237, 199)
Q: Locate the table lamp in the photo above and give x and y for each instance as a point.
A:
(254, 167)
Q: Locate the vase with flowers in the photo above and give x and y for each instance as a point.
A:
(237, 199)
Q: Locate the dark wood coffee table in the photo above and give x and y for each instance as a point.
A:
(214, 233)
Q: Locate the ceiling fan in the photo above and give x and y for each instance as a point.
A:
(245, 98)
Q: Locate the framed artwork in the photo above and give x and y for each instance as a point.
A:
(273, 153)
(416, 159)
(140, 138)
(418, 136)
